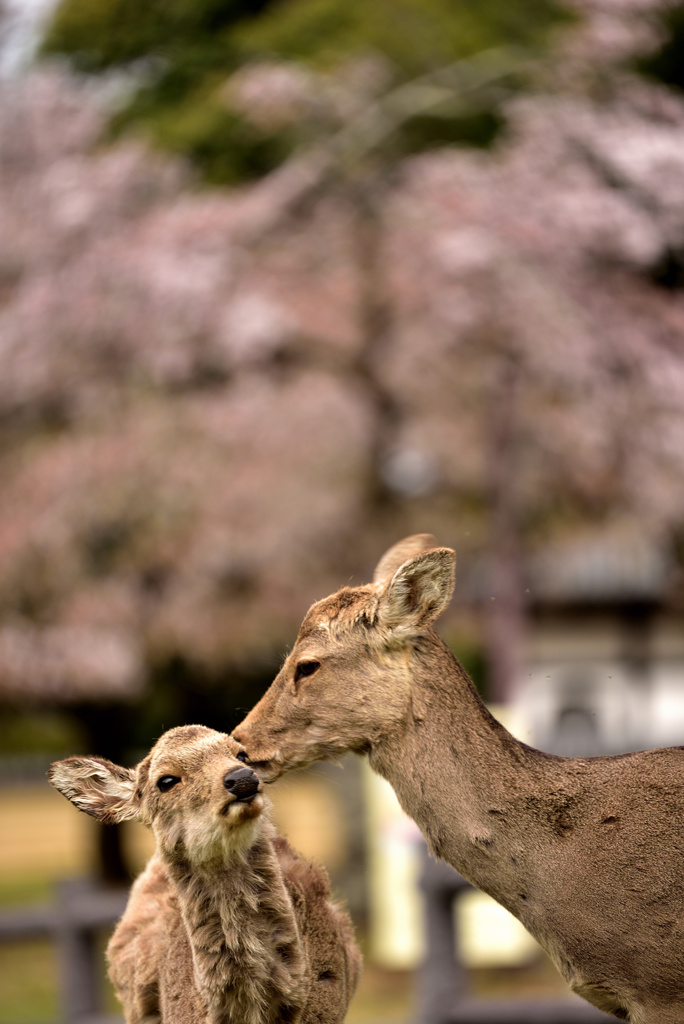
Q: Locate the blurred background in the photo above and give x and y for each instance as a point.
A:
(282, 281)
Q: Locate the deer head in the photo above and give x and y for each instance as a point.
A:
(201, 803)
(347, 680)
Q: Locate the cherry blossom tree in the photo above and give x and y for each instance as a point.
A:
(218, 405)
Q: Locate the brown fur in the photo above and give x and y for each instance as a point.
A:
(227, 924)
(587, 852)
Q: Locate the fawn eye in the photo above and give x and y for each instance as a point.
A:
(167, 782)
(306, 668)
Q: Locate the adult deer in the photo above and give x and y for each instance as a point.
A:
(587, 852)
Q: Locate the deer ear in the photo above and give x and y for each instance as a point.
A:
(399, 553)
(418, 591)
(98, 787)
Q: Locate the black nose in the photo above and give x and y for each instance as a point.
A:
(243, 783)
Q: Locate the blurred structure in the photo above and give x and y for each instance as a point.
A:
(605, 654)
(395, 844)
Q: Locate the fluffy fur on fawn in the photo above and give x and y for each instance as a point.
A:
(227, 924)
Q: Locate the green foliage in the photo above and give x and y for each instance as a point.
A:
(190, 47)
(101, 34)
(478, 128)
(472, 657)
(226, 147)
(36, 732)
(28, 982)
(415, 35)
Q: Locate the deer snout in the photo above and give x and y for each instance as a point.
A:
(267, 761)
(242, 783)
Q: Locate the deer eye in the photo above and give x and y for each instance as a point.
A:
(306, 668)
(167, 782)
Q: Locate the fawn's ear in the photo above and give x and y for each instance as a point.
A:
(418, 591)
(399, 553)
(98, 787)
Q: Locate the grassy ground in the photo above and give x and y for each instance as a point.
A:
(28, 983)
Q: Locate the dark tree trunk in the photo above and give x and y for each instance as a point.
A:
(105, 735)
(505, 607)
(375, 319)
(112, 866)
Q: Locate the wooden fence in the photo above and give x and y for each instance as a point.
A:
(83, 910)
(442, 980)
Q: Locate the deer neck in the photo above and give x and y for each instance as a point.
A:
(243, 936)
(462, 777)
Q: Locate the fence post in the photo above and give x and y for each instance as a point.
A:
(78, 957)
(441, 978)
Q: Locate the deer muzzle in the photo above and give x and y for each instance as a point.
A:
(242, 783)
(269, 766)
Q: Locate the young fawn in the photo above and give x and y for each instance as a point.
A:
(226, 925)
(587, 852)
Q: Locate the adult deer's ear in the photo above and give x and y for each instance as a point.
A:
(418, 591)
(399, 553)
(96, 786)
